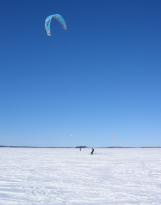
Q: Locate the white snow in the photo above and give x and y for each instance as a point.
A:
(70, 177)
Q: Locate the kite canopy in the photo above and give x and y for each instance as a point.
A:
(58, 18)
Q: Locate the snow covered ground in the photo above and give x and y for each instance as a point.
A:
(71, 177)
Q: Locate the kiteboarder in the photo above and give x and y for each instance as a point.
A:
(92, 150)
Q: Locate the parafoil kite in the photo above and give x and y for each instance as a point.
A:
(58, 18)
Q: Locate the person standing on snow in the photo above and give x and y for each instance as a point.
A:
(92, 150)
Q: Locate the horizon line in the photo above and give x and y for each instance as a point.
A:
(84, 147)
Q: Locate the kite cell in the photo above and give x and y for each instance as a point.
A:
(58, 18)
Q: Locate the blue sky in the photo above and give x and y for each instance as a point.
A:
(98, 84)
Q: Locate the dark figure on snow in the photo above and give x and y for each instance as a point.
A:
(92, 150)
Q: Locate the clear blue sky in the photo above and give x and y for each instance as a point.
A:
(98, 84)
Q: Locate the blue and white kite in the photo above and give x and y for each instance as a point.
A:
(58, 18)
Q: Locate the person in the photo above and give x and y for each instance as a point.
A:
(92, 150)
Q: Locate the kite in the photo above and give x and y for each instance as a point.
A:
(58, 18)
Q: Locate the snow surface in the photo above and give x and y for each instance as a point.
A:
(70, 177)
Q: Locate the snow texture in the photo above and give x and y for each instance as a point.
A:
(73, 177)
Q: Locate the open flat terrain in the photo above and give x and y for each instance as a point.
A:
(70, 177)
